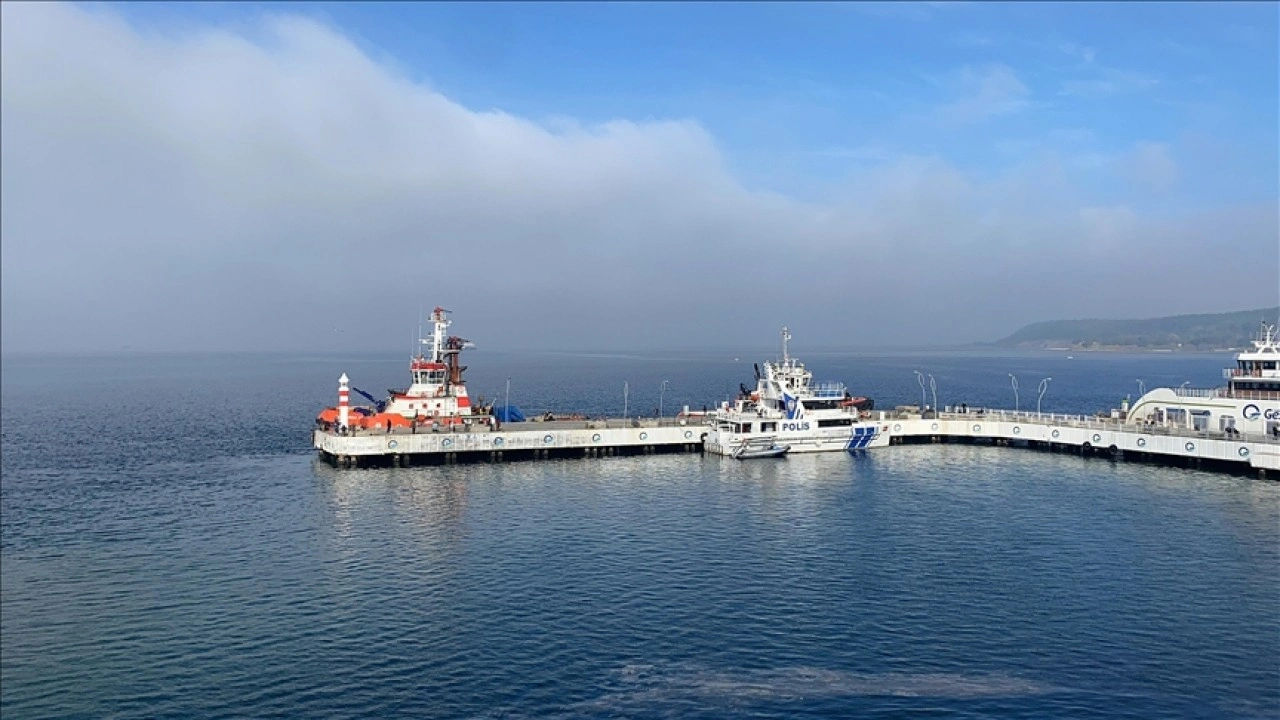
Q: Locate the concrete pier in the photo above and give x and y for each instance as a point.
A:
(1094, 436)
(1091, 436)
(514, 441)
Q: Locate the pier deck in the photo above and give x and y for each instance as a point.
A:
(513, 441)
(602, 438)
(1094, 436)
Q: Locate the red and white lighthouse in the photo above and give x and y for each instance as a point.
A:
(344, 400)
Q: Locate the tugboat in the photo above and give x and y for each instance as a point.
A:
(436, 397)
(787, 409)
(1249, 404)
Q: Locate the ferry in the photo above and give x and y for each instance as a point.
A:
(1249, 404)
(788, 409)
(437, 394)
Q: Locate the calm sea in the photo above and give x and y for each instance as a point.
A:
(170, 548)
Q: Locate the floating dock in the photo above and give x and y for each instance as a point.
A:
(513, 441)
(603, 438)
(1095, 436)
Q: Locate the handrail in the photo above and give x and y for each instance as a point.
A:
(1097, 423)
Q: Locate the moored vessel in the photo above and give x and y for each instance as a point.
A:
(1249, 404)
(788, 408)
(436, 396)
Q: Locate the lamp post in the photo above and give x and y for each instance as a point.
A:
(626, 390)
(1142, 388)
(506, 412)
(662, 392)
(920, 379)
(1184, 384)
(1013, 379)
(1044, 386)
(933, 388)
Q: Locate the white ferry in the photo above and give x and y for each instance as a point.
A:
(788, 409)
(1249, 404)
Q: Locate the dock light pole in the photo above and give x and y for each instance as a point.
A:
(506, 412)
(662, 392)
(1013, 379)
(1044, 386)
(1184, 384)
(626, 390)
(920, 379)
(933, 388)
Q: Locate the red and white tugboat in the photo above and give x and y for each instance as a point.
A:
(436, 396)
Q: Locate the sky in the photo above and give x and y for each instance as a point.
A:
(628, 176)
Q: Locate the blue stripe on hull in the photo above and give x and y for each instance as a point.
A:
(862, 437)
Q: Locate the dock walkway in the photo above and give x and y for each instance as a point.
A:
(1093, 435)
(615, 436)
(513, 441)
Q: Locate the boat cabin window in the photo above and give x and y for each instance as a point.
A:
(1200, 420)
(837, 422)
(769, 427)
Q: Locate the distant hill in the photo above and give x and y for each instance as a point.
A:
(1180, 332)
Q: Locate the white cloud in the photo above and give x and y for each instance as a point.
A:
(215, 190)
(1085, 53)
(985, 92)
(1108, 82)
(1151, 166)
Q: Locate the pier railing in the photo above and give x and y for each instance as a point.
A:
(587, 424)
(1093, 422)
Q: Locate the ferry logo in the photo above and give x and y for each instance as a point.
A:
(1251, 412)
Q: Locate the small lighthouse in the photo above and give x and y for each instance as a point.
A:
(344, 400)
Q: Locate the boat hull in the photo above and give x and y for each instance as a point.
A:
(768, 452)
(856, 437)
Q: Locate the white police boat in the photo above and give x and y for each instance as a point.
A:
(788, 408)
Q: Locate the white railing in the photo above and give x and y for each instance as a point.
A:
(827, 389)
(1099, 423)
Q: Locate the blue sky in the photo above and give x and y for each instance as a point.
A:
(800, 95)
(953, 170)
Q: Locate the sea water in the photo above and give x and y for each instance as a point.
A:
(170, 547)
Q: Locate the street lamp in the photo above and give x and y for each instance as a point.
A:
(933, 388)
(1142, 388)
(920, 379)
(506, 412)
(662, 392)
(626, 390)
(1184, 384)
(1044, 386)
(1013, 379)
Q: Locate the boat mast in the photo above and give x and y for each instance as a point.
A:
(786, 359)
(437, 339)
